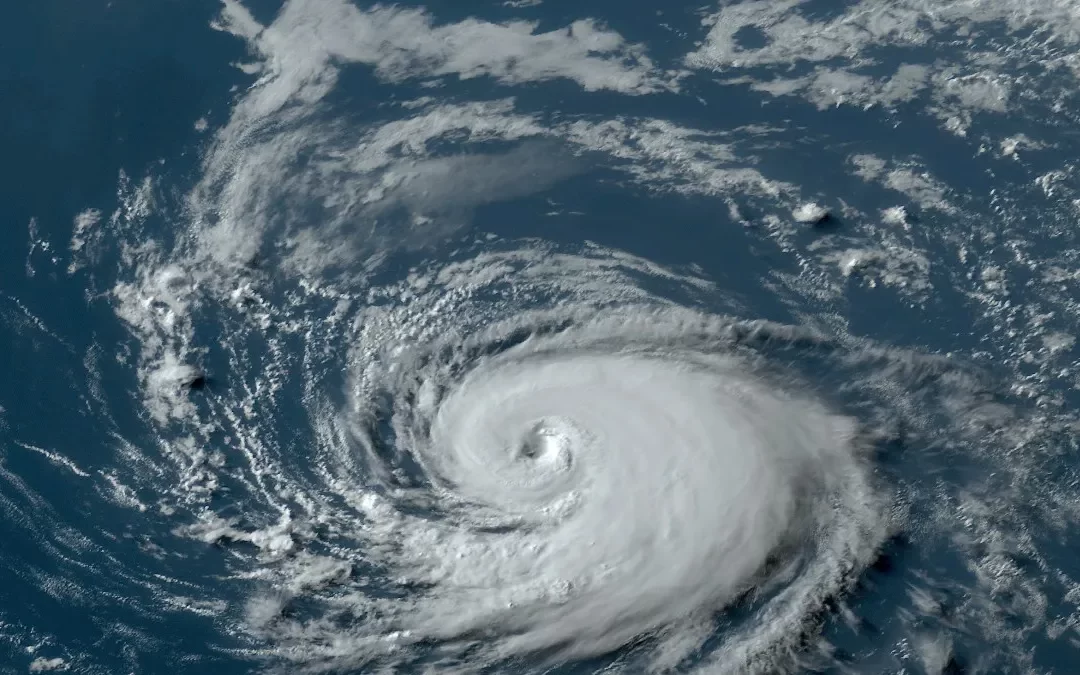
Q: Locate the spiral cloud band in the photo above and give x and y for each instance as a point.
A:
(600, 481)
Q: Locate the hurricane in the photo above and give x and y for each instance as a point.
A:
(513, 338)
(538, 457)
(597, 478)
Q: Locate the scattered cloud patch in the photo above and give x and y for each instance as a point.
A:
(908, 178)
(42, 665)
(838, 60)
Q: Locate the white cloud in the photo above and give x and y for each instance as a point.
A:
(301, 48)
(277, 174)
(908, 178)
(837, 60)
(327, 196)
(791, 37)
(41, 664)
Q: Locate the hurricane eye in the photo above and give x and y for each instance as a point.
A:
(532, 447)
(533, 442)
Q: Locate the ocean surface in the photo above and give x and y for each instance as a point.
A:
(535, 337)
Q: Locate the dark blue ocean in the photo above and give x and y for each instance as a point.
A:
(218, 240)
